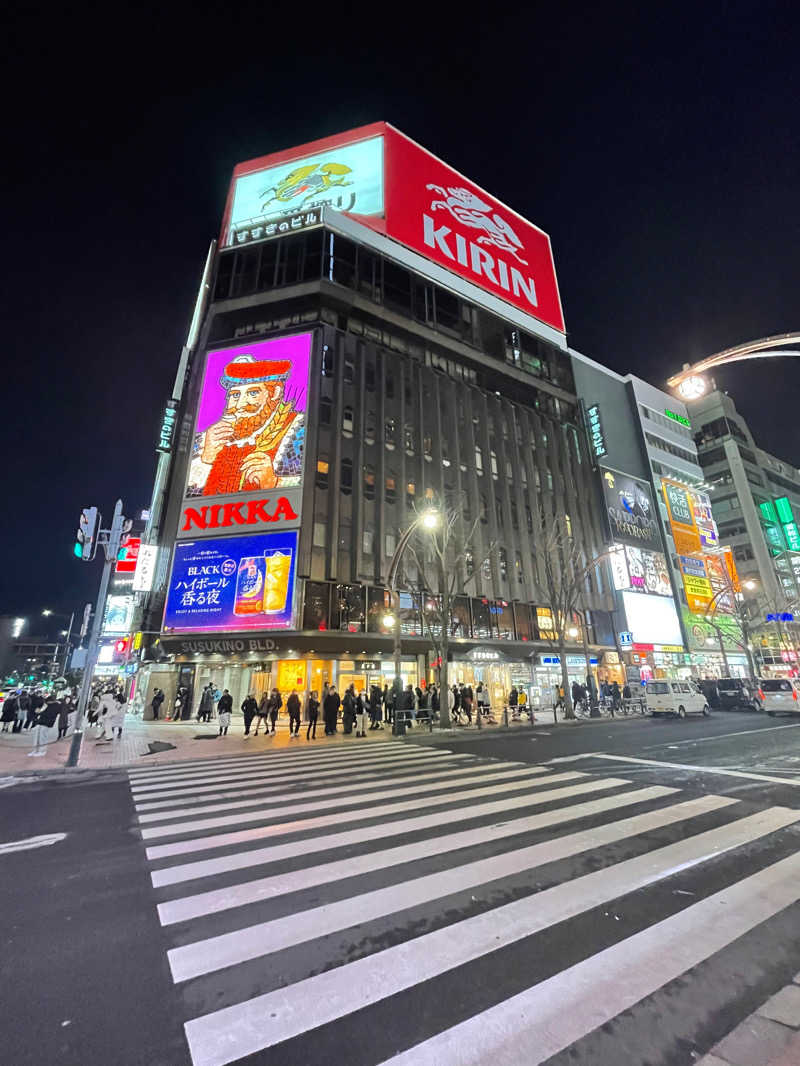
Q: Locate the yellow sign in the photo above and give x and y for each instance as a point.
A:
(681, 517)
(137, 641)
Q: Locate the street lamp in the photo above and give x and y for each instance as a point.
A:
(428, 520)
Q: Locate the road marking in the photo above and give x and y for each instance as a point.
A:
(264, 938)
(723, 736)
(286, 755)
(32, 842)
(176, 797)
(215, 900)
(244, 836)
(570, 758)
(423, 785)
(260, 766)
(700, 769)
(533, 1026)
(266, 1020)
(402, 827)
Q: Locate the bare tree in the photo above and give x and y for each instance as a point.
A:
(566, 578)
(445, 552)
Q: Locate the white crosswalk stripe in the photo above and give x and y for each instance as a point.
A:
(337, 874)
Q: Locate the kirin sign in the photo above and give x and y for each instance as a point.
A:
(391, 184)
(437, 212)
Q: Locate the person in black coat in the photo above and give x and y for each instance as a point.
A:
(330, 711)
(312, 712)
(293, 707)
(36, 704)
(249, 708)
(375, 708)
(349, 710)
(225, 703)
(275, 704)
(9, 715)
(155, 703)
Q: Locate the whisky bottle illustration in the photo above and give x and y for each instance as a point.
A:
(250, 580)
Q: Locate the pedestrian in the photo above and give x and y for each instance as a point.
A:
(466, 703)
(105, 718)
(23, 702)
(63, 717)
(117, 714)
(348, 709)
(206, 703)
(293, 707)
(35, 705)
(275, 704)
(224, 718)
(330, 711)
(385, 701)
(224, 705)
(46, 717)
(616, 697)
(435, 703)
(312, 712)
(249, 709)
(407, 699)
(375, 708)
(9, 713)
(576, 695)
(155, 705)
(361, 716)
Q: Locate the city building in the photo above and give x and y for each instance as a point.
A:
(668, 571)
(374, 336)
(756, 503)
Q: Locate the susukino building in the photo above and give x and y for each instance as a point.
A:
(374, 334)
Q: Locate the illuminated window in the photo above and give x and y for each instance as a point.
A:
(411, 494)
(469, 562)
(408, 438)
(347, 422)
(388, 434)
(322, 473)
(369, 482)
(390, 494)
(493, 458)
(518, 568)
(478, 460)
(568, 523)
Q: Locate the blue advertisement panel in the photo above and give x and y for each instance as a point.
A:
(232, 584)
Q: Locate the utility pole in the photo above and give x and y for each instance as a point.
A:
(110, 539)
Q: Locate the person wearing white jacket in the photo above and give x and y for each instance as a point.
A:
(117, 715)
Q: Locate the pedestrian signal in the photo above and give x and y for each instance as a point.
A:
(86, 536)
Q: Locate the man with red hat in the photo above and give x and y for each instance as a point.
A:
(258, 442)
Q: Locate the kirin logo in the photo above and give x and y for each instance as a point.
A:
(305, 182)
(471, 211)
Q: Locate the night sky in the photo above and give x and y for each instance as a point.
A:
(658, 145)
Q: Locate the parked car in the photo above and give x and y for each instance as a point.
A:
(737, 692)
(679, 698)
(779, 695)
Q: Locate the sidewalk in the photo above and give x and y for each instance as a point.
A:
(177, 741)
(769, 1037)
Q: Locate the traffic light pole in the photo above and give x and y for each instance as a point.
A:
(111, 545)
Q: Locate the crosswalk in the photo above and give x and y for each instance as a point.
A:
(468, 899)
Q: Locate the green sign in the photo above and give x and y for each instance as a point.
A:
(703, 636)
(768, 511)
(784, 509)
(678, 418)
(792, 536)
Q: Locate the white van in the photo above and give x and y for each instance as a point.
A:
(675, 697)
(779, 695)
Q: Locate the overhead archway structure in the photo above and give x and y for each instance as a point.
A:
(691, 383)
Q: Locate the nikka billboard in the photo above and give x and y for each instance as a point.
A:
(385, 180)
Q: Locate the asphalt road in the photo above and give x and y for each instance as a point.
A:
(419, 903)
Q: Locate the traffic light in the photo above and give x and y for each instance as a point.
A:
(86, 536)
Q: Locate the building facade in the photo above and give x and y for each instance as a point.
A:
(756, 502)
(346, 373)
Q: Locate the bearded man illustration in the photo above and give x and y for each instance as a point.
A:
(258, 441)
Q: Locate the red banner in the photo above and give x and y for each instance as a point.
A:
(437, 212)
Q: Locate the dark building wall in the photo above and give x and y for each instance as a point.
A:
(415, 396)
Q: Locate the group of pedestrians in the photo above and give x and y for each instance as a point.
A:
(38, 711)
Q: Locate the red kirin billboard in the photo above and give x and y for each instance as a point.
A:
(382, 178)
